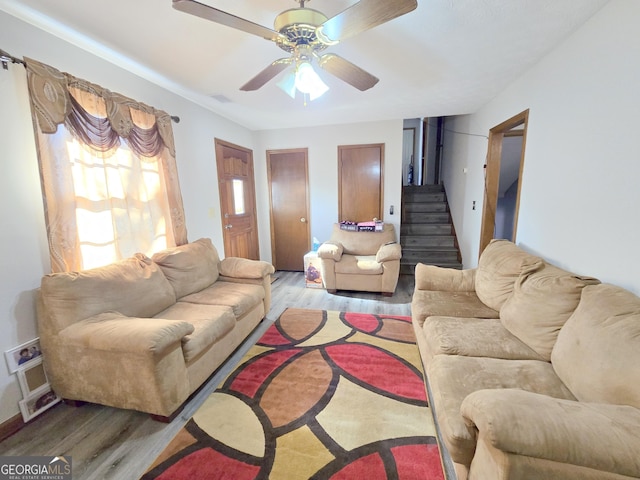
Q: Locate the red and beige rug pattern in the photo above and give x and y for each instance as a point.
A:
(322, 395)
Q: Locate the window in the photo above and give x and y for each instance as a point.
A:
(238, 196)
(108, 172)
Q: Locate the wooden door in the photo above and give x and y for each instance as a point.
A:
(360, 182)
(492, 176)
(237, 200)
(289, 198)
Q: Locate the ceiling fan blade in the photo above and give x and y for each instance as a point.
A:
(267, 74)
(218, 16)
(362, 16)
(347, 71)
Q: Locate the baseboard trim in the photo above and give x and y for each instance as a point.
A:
(11, 426)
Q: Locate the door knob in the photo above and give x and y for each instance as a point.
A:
(303, 220)
(228, 226)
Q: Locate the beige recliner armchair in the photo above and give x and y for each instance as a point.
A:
(362, 261)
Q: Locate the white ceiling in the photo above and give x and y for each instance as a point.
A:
(447, 57)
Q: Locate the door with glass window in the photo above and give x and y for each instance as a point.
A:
(237, 200)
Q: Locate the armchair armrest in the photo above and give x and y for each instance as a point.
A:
(432, 277)
(388, 252)
(114, 332)
(236, 267)
(599, 436)
(330, 251)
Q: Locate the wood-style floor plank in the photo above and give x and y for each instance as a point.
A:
(109, 443)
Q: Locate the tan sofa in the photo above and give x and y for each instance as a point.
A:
(532, 371)
(145, 333)
(361, 261)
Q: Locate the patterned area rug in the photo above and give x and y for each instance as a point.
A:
(322, 395)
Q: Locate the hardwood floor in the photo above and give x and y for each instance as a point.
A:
(109, 443)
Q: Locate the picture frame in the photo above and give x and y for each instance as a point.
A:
(32, 377)
(21, 356)
(39, 401)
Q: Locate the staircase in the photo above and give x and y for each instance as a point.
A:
(426, 233)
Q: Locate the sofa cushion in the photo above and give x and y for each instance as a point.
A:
(359, 264)
(453, 377)
(541, 303)
(597, 352)
(474, 337)
(135, 287)
(241, 297)
(500, 265)
(190, 267)
(210, 322)
(452, 304)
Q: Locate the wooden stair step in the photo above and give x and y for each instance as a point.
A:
(419, 241)
(424, 197)
(428, 255)
(422, 188)
(426, 207)
(410, 268)
(420, 217)
(422, 229)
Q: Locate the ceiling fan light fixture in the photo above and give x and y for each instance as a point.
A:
(308, 81)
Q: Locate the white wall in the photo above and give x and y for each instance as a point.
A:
(322, 143)
(581, 181)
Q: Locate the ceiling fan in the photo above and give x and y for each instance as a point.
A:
(304, 33)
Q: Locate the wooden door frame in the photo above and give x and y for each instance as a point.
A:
(492, 175)
(305, 151)
(350, 147)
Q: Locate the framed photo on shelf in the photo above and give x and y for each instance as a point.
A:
(32, 377)
(22, 355)
(40, 400)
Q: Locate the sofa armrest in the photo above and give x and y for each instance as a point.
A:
(236, 267)
(388, 252)
(432, 277)
(599, 436)
(114, 332)
(330, 251)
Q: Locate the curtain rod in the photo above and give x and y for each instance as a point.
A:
(5, 58)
